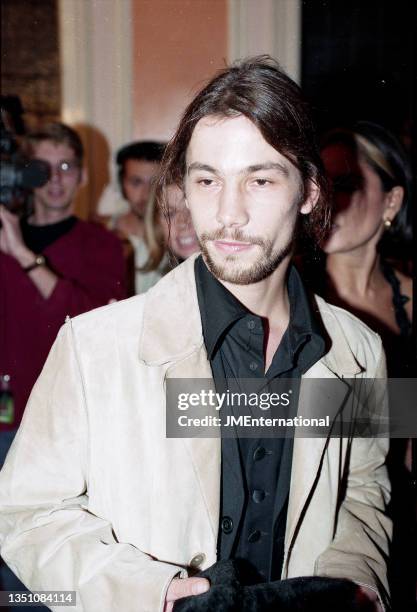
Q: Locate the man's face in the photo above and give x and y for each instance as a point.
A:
(138, 176)
(59, 192)
(244, 198)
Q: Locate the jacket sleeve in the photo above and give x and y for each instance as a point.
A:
(101, 277)
(47, 535)
(360, 546)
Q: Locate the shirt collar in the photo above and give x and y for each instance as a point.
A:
(220, 309)
(306, 337)
(304, 323)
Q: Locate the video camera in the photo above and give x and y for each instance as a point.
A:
(17, 174)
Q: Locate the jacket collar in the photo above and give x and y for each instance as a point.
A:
(171, 327)
(340, 358)
(172, 330)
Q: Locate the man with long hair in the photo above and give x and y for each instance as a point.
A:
(102, 501)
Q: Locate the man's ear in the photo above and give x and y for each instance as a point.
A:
(312, 194)
(393, 202)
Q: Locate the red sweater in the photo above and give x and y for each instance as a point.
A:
(89, 262)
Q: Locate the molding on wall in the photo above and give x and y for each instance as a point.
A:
(267, 26)
(96, 80)
(74, 49)
(96, 64)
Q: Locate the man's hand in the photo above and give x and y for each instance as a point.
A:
(11, 243)
(11, 240)
(184, 588)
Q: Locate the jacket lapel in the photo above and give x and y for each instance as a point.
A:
(308, 453)
(172, 336)
(171, 327)
(204, 453)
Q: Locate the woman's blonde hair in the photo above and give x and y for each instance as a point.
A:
(154, 235)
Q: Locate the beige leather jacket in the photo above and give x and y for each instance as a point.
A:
(95, 498)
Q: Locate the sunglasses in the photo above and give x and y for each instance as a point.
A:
(63, 168)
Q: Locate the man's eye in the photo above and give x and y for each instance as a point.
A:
(205, 182)
(67, 167)
(262, 182)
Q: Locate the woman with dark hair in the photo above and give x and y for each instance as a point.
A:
(370, 179)
(371, 183)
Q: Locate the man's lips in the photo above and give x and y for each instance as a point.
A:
(58, 193)
(231, 246)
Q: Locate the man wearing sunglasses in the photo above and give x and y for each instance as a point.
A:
(53, 265)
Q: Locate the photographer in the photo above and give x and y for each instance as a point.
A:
(52, 265)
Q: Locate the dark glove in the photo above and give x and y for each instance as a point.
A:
(228, 593)
(224, 594)
(306, 594)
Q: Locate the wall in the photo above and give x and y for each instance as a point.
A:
(177, 45)
(129, 67)
(95, 50)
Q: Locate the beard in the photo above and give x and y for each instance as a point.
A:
(230, 271)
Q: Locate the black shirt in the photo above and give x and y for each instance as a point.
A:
(255, 471)
(38, 237)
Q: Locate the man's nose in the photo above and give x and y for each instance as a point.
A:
(232, 211)
(55, 175)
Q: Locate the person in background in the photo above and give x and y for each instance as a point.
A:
(169, 233)
(138, 164)
(371, 228)
(371, 182)
(52, 265)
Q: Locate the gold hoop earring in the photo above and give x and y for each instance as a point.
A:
(387, 223)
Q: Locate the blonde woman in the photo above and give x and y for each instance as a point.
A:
(169, 234)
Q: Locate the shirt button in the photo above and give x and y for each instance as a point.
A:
(227, 525)
(258, 496)
(254, 536)
(197, 560)
(259, 453)
(253, 366)
(251, 324)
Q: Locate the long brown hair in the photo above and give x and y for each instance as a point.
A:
(258, 89)
(154, 236)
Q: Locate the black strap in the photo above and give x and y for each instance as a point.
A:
(398, 300)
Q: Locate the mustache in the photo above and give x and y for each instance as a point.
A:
(236, 235)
